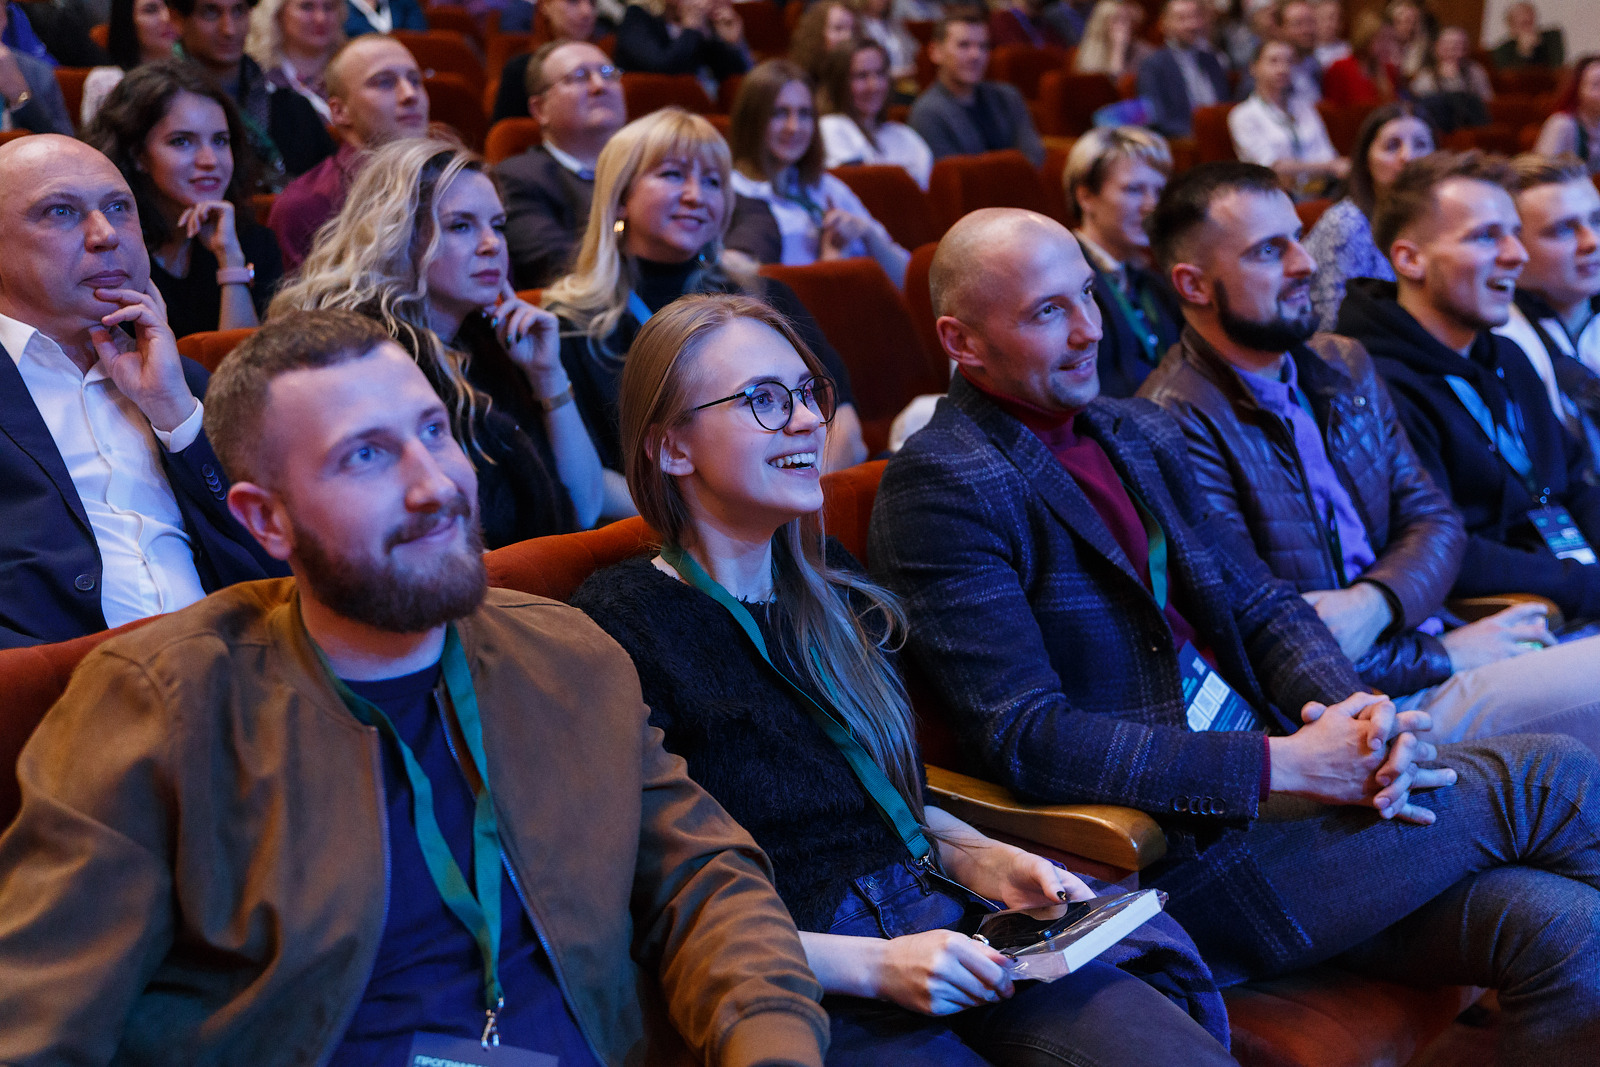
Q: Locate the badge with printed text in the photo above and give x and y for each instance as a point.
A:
(440, 1050)
(1208, 701)
(1555, 526)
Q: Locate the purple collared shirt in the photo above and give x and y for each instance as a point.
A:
(1280, 394)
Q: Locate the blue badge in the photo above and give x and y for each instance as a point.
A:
(1208, 701)
(1555, 526)
(439, 1050)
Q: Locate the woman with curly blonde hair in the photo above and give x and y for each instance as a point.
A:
(420, 247)
(1111, 44)
(663, 199)
(293, 40)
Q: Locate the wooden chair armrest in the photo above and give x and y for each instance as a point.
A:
(1119, 837)
(1474, 608)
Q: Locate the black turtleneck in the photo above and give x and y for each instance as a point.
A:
(662, 283)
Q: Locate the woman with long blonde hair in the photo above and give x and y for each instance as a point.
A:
(766, 658)
(662, 204)
(1111, 44)
(420, 247)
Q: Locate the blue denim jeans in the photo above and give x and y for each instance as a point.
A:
(1097, 1017)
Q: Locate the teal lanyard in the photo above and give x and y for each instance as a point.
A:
(1506, 439)
(481, 913)
(891, 805)
(1144, 325)
(1158, 551)
(638, 308)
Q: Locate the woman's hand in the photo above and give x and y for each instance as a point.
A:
(940, 972)
(531, 336)
(1023, 880)
(213, 222)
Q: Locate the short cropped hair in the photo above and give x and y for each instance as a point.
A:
(1411, 197)
(236, 396)
(186, 7)
(1185, 204)
(1093, 154)
(1531, 170)
(953, 16)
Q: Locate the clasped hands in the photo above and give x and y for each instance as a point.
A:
(1363, 752)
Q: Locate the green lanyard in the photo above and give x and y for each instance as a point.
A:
(1144, 326)
(891, 805)
(481, 913)
(1158, 551)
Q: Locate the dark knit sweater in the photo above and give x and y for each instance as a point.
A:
(746, 737)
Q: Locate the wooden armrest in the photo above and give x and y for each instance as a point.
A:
(1473, 608)
(1120, 837)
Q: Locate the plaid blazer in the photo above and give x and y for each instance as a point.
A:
(1056, 667)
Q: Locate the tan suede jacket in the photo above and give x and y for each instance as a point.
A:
(199, 872)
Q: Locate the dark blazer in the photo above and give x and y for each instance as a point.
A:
(1122, 362)
(948, 128)
(547, 207)
(1161, 86)
(46, 109)
(645, 44)
(1055, 665)
(1503, 554)
(50, 566)
(1246, 463)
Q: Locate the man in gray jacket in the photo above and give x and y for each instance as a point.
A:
(960, 113)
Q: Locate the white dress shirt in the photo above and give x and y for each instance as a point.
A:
(1265, 133)
(112, 454)
(800, 228)
(843, 144)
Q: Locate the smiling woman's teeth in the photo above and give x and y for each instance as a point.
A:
(799, 459)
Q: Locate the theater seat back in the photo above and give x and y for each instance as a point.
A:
(208, 347)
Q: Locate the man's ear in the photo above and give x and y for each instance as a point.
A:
(1408, 259)
(671, 454)
(959, 341)
(261, 512)
(338, 114)
(1192, 285)
(536, 109)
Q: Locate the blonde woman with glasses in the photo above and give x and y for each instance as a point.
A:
(662, 205)
(420, 247)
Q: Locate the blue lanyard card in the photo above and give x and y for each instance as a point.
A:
(441, 1050)
(1209, 702)
(1555, 526)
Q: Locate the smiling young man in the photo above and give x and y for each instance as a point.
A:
(110, 496)
(961, 113)
(377, 811)
(1295, 442)
(576, 94)
(1472, 405)
(1184, 75)
(1112, 180)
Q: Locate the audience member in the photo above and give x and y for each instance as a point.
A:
(375, 94)
(1412, 33)
(856, 129)
(111, 496)
(1248, 23)
(1341, 241)
(1453, 87)
(700, 37)
(1575, 125)
(285, 131)
(1059, 567)
(292, 41)
(1183, 75)
(576, 94)
(826, 25)
(1111, 45)
(717, 393)
(1471, 403)
(875, 19)
(1295, 443)
(180, 146)
(419, 247)
(1018, 22)
(30, 99)
(663, 201)
(961, 113)
(1370, 75)
(1526, 45)
(1112, 181)
(141, 31)
(1553, 318)
(62, 26)
(777, 159)
(566, 20)
(1068, 18)
(1277, 127)
(1331, 45)
(382, 16)
(1295, 23)
(614, 912)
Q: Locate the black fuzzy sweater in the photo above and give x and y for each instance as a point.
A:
(747, 739)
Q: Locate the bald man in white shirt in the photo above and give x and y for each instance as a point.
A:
(112, 504)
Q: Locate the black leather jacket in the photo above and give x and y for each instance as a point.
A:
(1246, 463)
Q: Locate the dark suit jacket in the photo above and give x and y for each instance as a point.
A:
(50, 566)
(46, 110)
(547, 207)
(1161, 86)
(948, 128)
(1122, 363)
(1057, 668)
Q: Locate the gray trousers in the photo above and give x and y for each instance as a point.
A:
(1502, 891)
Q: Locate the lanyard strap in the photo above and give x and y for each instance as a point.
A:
(638, 308)
(1507, 440)
(479, 913)
(1158, 551)
(891, 805)
(1144, 325)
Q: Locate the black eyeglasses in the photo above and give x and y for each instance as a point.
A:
(772, 403)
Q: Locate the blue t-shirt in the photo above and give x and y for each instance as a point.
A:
(428, 974)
